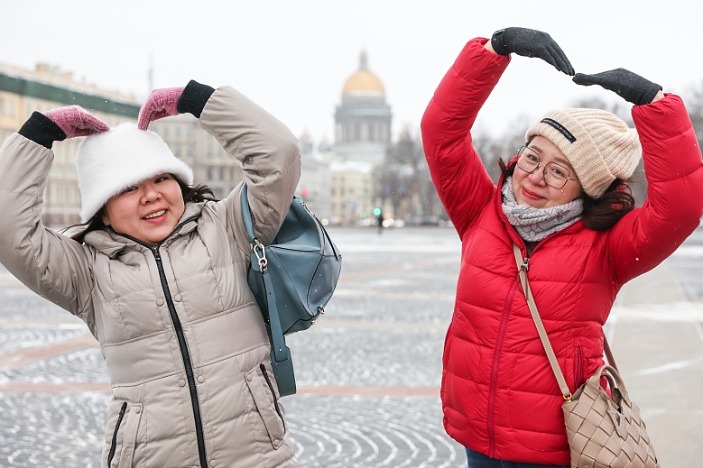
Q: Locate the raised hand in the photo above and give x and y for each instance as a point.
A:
(626, 84)
(531, 43)
(160, 103)
(76, 121)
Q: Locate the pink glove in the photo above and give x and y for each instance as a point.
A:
(76, 121)
(160, 103)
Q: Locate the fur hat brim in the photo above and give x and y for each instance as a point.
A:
(109, 162)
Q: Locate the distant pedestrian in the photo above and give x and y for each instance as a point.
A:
(158, 273)
(564, 201)
(379, 221)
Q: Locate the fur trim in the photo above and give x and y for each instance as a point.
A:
(109, 162)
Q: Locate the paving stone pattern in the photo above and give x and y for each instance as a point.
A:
(381, 337)
(368, 373)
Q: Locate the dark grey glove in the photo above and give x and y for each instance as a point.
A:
(531, 43)
(629, 86)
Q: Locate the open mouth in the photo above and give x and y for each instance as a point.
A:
(155, 214)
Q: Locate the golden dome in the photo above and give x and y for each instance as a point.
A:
(363, 81)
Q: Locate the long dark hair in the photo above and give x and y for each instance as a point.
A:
(599, 214)
(196, 194)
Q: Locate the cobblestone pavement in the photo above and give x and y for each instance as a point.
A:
(368, 372)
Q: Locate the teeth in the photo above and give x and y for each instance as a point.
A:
(155, 215)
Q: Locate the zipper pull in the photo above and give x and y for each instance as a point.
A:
(525, 264)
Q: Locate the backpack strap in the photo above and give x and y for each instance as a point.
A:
(281, 361)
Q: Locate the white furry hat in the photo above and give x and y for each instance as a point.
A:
(109, 162)
(598, 144)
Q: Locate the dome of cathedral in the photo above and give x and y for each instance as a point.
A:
(363, 81)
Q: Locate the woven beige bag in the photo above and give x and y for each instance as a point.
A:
(604, 431)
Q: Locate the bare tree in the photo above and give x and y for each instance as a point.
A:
(403, 180)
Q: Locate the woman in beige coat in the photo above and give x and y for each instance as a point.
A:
(158, 274)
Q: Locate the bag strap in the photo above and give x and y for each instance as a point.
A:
(280, 349)
(522, 272)
(280, 352)
(522, 265)
(609, 353)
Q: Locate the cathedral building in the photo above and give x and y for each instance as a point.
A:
(363, 119)
(362, 135)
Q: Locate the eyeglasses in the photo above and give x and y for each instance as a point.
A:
(555, 175)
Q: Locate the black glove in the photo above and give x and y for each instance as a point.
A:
(629, 86)
(531, 43)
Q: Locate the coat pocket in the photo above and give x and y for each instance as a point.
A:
(267, 404)
(124, 436)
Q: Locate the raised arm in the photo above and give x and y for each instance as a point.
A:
(266, 148)
(673, 167)
(54, 266)
(457, 172)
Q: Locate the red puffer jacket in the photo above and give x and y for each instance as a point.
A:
(499, 394)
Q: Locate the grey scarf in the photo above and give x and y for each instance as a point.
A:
(534, 224)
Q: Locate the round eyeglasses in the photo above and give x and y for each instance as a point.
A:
(555, 175)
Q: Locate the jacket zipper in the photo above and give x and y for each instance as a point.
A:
(113, 445)
(186, 358)
(494, 370)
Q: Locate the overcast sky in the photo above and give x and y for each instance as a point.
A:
(293, 56)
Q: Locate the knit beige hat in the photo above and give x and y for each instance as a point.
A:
(599, 146)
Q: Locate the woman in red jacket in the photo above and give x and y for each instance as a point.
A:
(563, 200)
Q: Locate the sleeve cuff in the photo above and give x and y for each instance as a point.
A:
(194, 97)
(42, 130)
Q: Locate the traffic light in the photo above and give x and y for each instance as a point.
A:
(376, 211)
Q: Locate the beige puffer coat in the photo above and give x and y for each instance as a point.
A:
(184, 341)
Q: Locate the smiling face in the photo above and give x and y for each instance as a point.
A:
(531, 188)
(147, 211)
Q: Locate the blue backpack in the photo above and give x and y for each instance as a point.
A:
(292, 279)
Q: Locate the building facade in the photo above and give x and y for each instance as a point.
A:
(363, 118)
(351, 192)
(315, 184)
(363, 122)
(211, 164)
(44, 88)
(337, 183)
